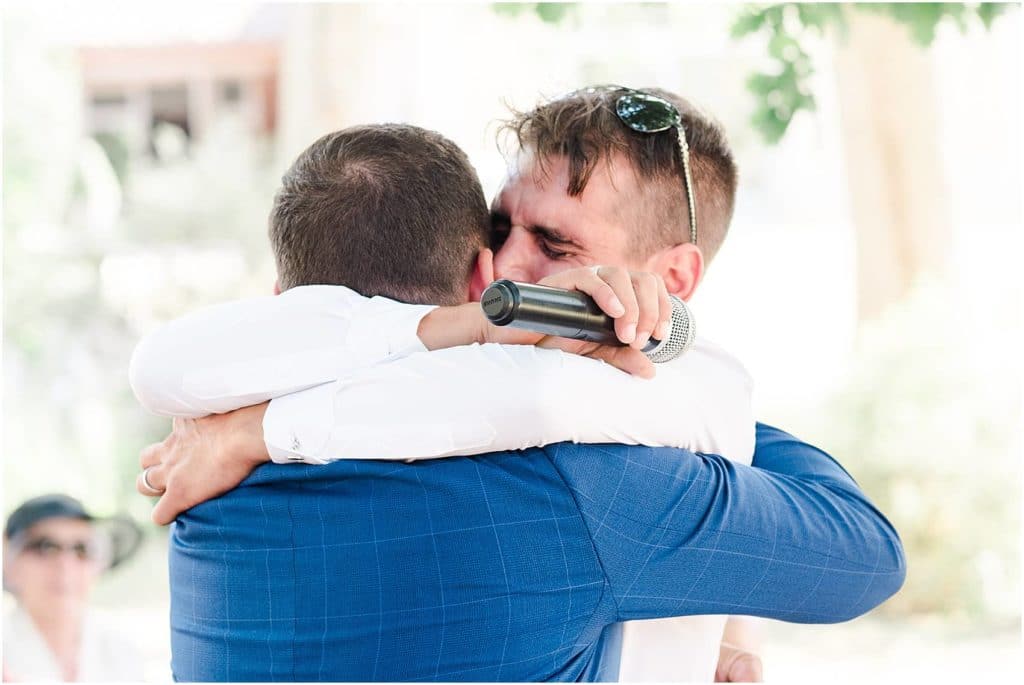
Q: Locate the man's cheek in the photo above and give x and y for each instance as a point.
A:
(532, 273)
(515, 268)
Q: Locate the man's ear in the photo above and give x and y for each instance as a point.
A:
(277, 287)
(483, 274)
(681, 267)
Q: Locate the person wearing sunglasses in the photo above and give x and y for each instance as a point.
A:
(605, 175)
(180, 378)
(54, 553)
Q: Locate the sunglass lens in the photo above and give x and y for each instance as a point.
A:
(48, 549)
(646, 113)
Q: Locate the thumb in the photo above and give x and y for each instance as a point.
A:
(746, 668)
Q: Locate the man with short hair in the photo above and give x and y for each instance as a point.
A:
(347, 178)
(682, 274)
(622, 194)
(587, 188)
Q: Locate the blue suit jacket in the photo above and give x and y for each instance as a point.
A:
(515, 565)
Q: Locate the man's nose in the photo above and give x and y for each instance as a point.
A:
(513, 260)
(68, 564)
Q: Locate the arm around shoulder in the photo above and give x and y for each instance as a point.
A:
(791, 538)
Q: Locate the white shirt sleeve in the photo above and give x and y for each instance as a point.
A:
(240, 353)
(484, 398)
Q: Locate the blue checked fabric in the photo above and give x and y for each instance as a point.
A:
(513, 566)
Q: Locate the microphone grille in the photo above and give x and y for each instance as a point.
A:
(680, 338)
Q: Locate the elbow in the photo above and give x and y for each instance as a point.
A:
(892, 564)
(886, 579)
(897, 575)
(141, 377)
(148, 379)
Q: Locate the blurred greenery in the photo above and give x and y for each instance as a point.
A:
(100, 244)
(929, 426)
(116, 149)
(784, 89)
(551, 12)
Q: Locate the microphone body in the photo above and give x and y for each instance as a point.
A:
(572, 314)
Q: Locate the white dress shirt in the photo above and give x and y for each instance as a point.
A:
(343, 368)
(105, 654)
(244, 352)
(348, 378)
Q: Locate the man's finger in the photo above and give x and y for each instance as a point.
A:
(588, 281)
(622, 285)
(156, 477)
(646, 286)
(151, 455)
(627, 359)
(167, 509)
(580, 347)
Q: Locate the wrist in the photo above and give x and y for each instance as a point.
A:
(245, 435)
(452, 326)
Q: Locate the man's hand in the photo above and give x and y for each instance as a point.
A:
(465, 324)
(202, 458)
(736, 665)
(628, 359)
(738, 661)
(638, 301)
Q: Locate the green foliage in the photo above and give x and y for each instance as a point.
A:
(117, 152)
(92, 260)
(549, 12)
(783, 91)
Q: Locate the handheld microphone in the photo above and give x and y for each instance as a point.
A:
(572, 314)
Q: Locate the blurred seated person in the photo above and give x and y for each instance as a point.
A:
(54, 552)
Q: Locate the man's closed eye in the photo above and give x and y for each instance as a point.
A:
(552, 253)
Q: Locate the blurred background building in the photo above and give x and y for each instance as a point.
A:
(868, 283)
(130, 91)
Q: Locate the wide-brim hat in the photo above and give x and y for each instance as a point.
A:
(123, 534)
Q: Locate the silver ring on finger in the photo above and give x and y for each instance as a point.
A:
(151, 491)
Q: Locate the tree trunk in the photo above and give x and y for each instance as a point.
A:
(894, 160)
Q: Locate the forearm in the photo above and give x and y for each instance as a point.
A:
(791, 538)
(700, 402)
(241, 353)
(821, 550)
(486, 398)
(445, 327)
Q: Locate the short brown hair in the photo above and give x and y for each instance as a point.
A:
(388, 209)
(584, 128)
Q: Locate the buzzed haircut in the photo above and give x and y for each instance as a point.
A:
(389, 209)
(584, 128)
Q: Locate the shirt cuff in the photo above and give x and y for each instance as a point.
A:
(388, 327)
(296, 427)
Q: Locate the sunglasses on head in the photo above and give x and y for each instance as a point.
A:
(48, 548)
(645, 113)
